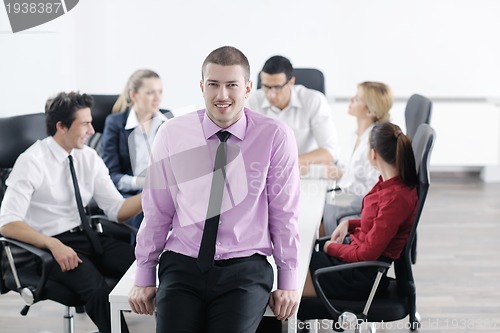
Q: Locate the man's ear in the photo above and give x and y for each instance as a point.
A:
(248, 87)
(202, 87)
(60, 127)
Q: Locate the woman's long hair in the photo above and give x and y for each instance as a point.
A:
(133, 84)
(394, 147)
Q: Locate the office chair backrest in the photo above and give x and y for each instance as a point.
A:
(418, 111)
(309, 77)
(17, 133)
(422, 145)
(101, 109)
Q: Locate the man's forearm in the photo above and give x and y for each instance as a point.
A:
(130, 208)
(20, 231)
(318, 156)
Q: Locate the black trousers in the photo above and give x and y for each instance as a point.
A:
(354, 284)
(230, 297)
(87, 280)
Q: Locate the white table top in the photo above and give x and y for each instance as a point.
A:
(312, 202)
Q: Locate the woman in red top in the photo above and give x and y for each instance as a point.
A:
(386, 220)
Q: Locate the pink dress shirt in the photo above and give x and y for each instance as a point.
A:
(260, 202)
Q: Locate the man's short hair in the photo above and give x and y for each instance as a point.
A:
(227, 56)
(277, 65)
(62, 109)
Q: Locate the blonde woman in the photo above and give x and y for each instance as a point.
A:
(129, 131)
(356, 176)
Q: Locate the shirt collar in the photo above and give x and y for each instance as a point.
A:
(294, 101)
(132, 121)
(237, 129)
(389, 182)
(59, 153)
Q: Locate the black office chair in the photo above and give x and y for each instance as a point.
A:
(418, 111)
(25, 268)
(103, 104)
(400, 301)
(17, 133)
(309, 77)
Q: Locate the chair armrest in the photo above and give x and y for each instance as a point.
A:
(335, 313)
(44, 255)
(47, 263)
(101, 217)
(320, 242)
(353, 265)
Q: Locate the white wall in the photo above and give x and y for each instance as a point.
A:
(463, 140)
(445, 48)
(437, 48)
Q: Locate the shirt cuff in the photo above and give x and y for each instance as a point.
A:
(145, 277)
(128, 183)
(287, 280)
(332, 249)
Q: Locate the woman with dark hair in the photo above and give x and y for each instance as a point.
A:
(385, 223)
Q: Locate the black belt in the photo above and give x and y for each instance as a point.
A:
(75, 229)
(232, 261)
(97, 228)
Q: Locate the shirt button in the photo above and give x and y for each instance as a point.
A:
(218, 243)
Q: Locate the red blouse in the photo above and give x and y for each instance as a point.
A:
(384, 227)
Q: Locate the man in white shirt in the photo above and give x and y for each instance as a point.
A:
(305, 110)
(40, 206)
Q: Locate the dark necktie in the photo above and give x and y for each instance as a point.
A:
(91, 234)
(207, 248)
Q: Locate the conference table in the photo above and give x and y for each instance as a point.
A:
(312, 200)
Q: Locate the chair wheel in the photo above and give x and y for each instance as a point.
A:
(414, 326)
(415, 322)
(372, 328)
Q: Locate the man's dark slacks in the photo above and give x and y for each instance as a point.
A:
(87, 280)
(230, 297)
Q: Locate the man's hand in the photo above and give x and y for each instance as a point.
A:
(142, 300)
(64, 255)
(284, 303)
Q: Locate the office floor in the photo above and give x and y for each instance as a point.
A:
(457, 270)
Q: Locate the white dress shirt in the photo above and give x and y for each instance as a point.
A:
(40, 190)
(308, 114)
(139, 144)
(359, 175)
